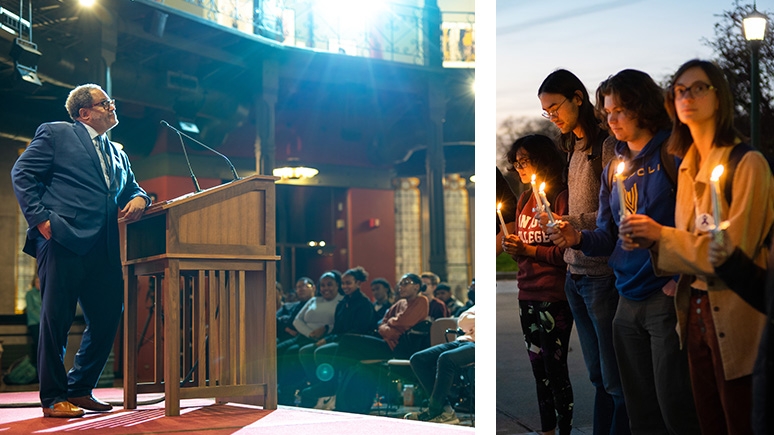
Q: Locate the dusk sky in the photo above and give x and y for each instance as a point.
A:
(595, 39)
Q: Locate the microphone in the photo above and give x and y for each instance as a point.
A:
(185, 153)
(231, 165)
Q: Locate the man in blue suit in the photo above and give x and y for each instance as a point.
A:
(72, 185)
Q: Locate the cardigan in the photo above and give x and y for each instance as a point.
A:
(685, 250)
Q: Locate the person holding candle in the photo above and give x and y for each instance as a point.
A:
(654, 370)
(719, 329)
(590, 283)
(545, 315)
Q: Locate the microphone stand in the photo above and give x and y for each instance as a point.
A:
(180, 133)
(185, 153)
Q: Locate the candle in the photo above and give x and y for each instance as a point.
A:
(621, 189)
(538, 201)
(715, 194)
(546, 205)
(502, 222)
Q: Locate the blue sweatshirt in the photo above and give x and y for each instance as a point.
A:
(649, 191)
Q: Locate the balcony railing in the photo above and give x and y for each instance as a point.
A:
(390, 30)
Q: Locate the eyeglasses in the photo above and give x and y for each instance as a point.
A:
(521, 164)
(696, 90)
(105, 104)
(548, 114)
(406, 282)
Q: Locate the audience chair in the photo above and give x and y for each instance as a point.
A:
(465, 380)
(436, 335)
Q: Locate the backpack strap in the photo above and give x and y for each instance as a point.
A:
(667, 164)
(734, 157)
(596, 157)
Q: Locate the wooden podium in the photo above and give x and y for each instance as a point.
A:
(213, 253)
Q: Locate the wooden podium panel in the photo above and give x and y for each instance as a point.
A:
(214, 253)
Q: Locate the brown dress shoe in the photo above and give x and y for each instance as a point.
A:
(91, 403)
(63, 409)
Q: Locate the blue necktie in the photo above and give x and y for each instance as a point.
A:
(105, 157)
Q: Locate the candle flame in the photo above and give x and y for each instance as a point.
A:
(499, 204)
(542, 187)
(716, 173)
(620, 168)
(533, 178)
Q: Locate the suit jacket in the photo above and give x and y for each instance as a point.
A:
(59, 178)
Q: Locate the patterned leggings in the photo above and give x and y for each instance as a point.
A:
(547, 327)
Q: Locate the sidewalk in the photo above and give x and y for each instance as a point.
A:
(517, 409)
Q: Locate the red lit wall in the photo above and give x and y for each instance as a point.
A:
(371, 246)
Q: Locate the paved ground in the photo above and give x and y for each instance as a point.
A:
(517, 410)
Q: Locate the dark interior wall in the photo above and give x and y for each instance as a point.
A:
(9, 210)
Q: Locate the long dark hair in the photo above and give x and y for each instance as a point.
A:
(545, 157)
(725, 132)
(568, 84)
(638, 94)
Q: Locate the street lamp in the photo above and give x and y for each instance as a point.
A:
(754, 31)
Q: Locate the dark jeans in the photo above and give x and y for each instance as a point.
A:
(593, 301)
(290, 372)
(654, 370)
(95, 281)
(437, 367)
(547, 327)
(723, 406)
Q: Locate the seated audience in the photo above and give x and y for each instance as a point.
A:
(438, 366)
(408, 311)
(304, 291)
(471, 299)
(354, 315)
(444, 294)
(314, 320)
(382, 297)
(438, 308)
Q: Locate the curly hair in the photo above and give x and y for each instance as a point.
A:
(545, 157)
(80, 98)
(639, 95)
(358, 273)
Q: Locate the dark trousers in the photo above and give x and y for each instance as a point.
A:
(723, 406)
(547, 327)
(95, 281)
(654, 370)
(290, 373)
(593, 301)
(436, 368)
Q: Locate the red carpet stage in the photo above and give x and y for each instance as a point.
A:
(202, 416)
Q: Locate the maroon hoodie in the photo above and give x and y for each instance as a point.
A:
(540, 278)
